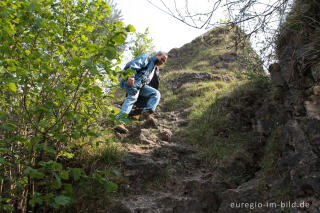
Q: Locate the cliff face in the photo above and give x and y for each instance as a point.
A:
(297, 78)
(288, 123)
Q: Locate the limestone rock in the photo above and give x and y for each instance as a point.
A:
(228, 57)
(245, 193)
(191, 77)
(301, 157)
(143, 167)
(276, 77)
(165, 134)
(315, 70)
(237, 164)
(150, 123)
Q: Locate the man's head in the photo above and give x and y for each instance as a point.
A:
(162, 58)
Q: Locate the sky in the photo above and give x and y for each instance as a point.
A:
(166, 31)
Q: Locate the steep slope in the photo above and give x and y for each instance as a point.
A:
(174, 163)
(228, 138)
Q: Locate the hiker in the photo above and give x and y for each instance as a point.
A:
(142, 100)
(136, 85)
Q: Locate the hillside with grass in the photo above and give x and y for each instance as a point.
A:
(228, 137)
(212, 83)
(203, 140)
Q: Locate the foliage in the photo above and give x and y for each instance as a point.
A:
(116, 14)
(142, 44)
(53, 56)
(254, 66)
(301, 24)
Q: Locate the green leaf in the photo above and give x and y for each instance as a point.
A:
(57, 183)
(87, 63)
(34, 173)
(64, 174)
(24, 181)
(65, 154)
(49, 105)
(97, 90)
(90, 28)
(84, 38)
(9, 28)
(111, 187)
(34, 5)
(67, 188)
(119, 39)
(117, 173)
(43, 123)
(12, 87)
(111, 52)
(130, 28)
(94, 71)
(8, 208)
(35, 200)
(3, 115)
(62, 200)
(77, 172)
(9, 126)
(57, 166)
(49, 149)
(75, 135)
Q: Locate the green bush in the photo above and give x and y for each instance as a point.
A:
(54, 56)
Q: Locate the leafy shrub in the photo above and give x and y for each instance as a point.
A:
(54, 56)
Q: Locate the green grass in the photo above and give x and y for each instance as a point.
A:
(199, 55)
(212, 128)
(272, 152)
(105, 149)
(217, 147)
(108, 152)
(97, 156)
(301, 25)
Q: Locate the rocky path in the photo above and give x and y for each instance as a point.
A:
(162, 174)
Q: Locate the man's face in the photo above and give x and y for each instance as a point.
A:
(161, 59)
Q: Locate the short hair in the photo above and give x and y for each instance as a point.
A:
(159, 53)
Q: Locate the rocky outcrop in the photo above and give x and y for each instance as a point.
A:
(298, 183)
(184, 78)
(289, 122)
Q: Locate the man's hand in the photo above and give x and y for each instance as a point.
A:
(130, 81)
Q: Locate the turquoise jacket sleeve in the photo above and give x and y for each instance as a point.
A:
(143, 65)
(139, 63)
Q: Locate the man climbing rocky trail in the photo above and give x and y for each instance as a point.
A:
(221, 143)
(162, 171)
(137, 85)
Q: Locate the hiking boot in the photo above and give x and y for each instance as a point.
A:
(146, 116)
(121, 129)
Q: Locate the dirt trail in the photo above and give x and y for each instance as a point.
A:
(163, 174)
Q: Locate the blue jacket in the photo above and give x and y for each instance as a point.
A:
(143, 65)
